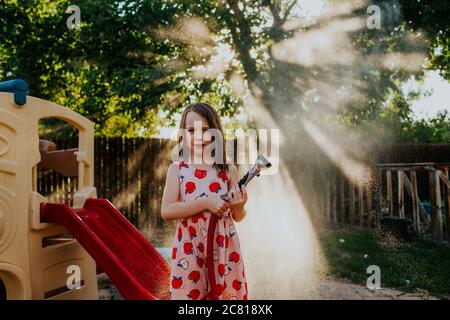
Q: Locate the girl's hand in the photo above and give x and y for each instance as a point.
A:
(216, 206)
(238, 197)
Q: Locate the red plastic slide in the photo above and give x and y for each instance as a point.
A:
(133, 264)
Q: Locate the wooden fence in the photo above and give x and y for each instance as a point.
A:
(130, 172)
(394, 191)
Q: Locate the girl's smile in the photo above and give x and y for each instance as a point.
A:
(197, 141)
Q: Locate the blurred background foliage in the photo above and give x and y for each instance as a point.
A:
(133, 65)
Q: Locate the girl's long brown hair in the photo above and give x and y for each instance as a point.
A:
(211, 115)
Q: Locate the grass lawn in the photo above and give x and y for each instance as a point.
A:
(405, 266)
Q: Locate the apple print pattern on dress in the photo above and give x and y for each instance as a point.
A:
(174, 253)
(194, 294)
(183, 165)
(215, 187)
(183, 263)
(197, 217)
(194, 276)
(189, 278)
(200, 262)
(235, 257)
(222, 175)
(192, 232)
(200, 174)
(237, 285)
(177, 282)
(190, 187)
(188, 248)
(180, 234)
(220, 240)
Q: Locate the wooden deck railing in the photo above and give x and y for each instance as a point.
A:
(394, 190)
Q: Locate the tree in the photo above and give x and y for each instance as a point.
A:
(134, 64)
(305, 74)
(431, 17)
(115, 69)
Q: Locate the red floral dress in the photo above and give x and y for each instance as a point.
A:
(189, 279)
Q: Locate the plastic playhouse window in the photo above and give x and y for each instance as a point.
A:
(55, 177)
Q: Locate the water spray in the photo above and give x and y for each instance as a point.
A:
(261, 164)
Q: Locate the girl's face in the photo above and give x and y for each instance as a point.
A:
(197, 141)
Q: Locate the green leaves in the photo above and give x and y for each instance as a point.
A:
(131, 60)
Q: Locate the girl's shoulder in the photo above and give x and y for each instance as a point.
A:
(173, 168)
(178, 168)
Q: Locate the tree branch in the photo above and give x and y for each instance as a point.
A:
(275, 10)
(288, 11)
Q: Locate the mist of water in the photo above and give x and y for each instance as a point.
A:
(280, 248)
(279, 240)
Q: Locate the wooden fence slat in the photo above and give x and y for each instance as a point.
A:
(150, 181)
(123, 172)
(370, 217)
(107, 150)
(379, 197)
(98, 165)
(334, 202)
(115, 167)
(390, 197)
(447, 208)
(139, 149)
(432, 187)
(342, 198)
(132, 169)
(444, 177)
(401, 197)
(438, 218)
(103, 186)
(436, 212)
(120, 172)
(142, 148)
(416, 201)
(361, 204)
(352, 202)
(127, 169)
(159, 184)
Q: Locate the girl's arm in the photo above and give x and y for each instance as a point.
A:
(172, 208)
(239, 198)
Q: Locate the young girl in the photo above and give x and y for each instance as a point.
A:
(192, 196)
